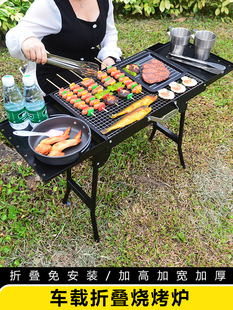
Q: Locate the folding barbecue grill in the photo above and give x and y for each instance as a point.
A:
(101, 145)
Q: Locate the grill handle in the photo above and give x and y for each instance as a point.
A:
(164, 118)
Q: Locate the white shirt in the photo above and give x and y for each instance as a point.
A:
(44, 18)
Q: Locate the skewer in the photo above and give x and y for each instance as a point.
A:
(63, 79)
(76, 74)
(98, 60)
(53, 84)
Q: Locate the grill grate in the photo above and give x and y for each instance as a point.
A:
(102, 119)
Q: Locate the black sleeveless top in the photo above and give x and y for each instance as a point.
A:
(78, 39)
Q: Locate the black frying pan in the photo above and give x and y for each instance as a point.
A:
(62, 123)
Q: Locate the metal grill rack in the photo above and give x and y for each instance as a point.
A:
(102, 119)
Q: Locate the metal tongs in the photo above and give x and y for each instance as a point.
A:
(204, 65)
(85, 68)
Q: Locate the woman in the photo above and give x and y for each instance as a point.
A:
(76, 29)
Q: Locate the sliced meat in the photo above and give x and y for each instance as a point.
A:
(154, 71)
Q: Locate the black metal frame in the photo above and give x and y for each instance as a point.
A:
(168, 133)
(100, 148)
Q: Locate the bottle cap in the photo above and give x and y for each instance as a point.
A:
(28, 80)
(8, 80)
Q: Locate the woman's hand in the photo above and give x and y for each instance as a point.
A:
(107, 62)
(34, 50)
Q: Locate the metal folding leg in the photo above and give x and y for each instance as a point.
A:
(98, 161)
(176, 138)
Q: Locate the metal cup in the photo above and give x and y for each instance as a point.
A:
(179, 40)
(203, 43)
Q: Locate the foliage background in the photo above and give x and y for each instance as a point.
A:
(150, 211)
(12, 11)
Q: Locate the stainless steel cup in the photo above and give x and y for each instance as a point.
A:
(203, 43)
(179, 40)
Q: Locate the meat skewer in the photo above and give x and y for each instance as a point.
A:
(78, 103)
(86, 96)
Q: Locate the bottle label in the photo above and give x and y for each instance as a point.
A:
(17, 117)
(37, 116)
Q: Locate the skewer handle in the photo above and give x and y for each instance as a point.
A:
(63, 78)
(53, 84)
(76, 74)
(98, 60)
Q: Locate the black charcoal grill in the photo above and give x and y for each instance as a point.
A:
(101, 145)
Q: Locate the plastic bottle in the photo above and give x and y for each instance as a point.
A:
(34, 101)
(14, 104)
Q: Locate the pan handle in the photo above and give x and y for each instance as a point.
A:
(164, 118)
(58, 115)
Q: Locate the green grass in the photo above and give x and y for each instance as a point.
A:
(150, 211)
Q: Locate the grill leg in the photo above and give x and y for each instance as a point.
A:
(89, 201)
(98, 161)
(153, 131)
(172, 135)
(93, 198)
(68, 176)
(180, 138)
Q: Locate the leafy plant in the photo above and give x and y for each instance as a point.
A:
(11, 12)
(173, 7)
(222, 6)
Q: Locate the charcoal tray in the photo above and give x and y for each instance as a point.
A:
(176, 71)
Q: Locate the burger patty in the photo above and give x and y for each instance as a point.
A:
(154, 71)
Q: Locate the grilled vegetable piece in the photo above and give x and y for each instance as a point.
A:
(145, 101)
(123, 93)
(130, 72)
(128, 119)
(111, 99)
(101, 95)
(134, 68)
(114, 87)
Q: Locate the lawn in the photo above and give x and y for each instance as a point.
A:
(150, 211)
